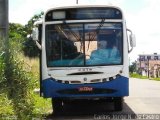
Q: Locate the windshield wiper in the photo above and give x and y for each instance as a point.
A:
(98, 28)
(72, 32)
(59, 28)
(96, 31)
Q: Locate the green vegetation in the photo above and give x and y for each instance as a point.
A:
(29, 47)
(132, 67)
(135, 75)
(157, 79)
(19, 76)
(17, 85)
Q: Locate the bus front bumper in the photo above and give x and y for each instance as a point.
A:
(118, 87)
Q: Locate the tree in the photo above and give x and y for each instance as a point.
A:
(31, 22)
(18, 34)
(17, 31)
(132, 68)
(30, 49)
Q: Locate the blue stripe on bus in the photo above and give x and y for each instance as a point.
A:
(120, 85)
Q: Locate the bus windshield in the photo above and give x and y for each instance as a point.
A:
(84, 44)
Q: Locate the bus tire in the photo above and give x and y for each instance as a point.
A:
(118, 103)
(57, 106)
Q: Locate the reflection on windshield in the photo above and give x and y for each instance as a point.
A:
(73, 44)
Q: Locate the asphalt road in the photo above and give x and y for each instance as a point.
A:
(142, 103)
(144, 96)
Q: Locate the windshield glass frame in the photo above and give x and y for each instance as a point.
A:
(83, 39)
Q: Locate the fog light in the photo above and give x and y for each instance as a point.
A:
(111, 78)
(60, 81)
(104, 79)
(66, 82)
(118, 75)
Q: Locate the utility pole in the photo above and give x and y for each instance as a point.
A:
(148, 68)
(4, 24)
(76, 1)
(4, 42)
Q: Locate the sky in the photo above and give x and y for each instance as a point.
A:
(142, 17)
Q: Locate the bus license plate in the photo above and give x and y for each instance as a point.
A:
(85, 89)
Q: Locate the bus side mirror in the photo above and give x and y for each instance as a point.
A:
(132, 40)
(35, 37)
(35, 34)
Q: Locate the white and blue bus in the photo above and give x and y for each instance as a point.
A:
(84, 54)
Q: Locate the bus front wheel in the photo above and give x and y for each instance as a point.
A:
(57, 106)
(118, 103)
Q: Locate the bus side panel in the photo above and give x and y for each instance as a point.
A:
(118, 87)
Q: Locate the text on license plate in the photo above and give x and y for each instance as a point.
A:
(84, 89)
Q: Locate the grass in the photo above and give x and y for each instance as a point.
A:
(32, 65)
(157, 79)
(19, 76)
(6, 106)
(135, 75)
(40, 105)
